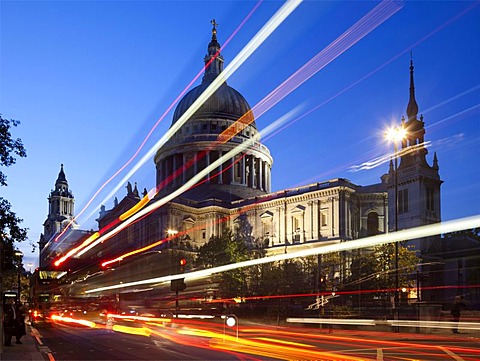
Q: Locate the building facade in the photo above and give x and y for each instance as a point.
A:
(238, 192)
(240, 189)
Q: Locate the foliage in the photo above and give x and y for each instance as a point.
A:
(9, 146)
(10, 231)
(374, 269)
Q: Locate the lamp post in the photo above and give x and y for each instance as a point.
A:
(395, 135)
(19, 256)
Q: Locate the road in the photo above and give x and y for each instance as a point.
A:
(207, 340)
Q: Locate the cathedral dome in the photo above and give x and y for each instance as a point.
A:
(207, 137)
(225, 103)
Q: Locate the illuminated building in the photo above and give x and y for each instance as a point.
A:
(238, 193)
(61, 210)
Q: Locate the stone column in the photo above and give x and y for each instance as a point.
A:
(174, 165)
(242, 169)
(184, 173)
(207, 163)
(220, 169)
(252, 170)
(260, 175)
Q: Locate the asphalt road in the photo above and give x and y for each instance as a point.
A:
(210, 341)
(76, 343)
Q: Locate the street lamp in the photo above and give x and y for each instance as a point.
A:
(19, 256)
(231, 321)
(396, 135)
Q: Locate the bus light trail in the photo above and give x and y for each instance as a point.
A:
(399, 236)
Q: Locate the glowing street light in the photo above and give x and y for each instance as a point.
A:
(231, 321)
(395, 135)
(171, 232)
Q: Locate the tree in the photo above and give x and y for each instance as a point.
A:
(374, 269)
(9, 146)
(10, 230)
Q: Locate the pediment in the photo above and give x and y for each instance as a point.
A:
(266, 215)
(188, 220)
(298, 209)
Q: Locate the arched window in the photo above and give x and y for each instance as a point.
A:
(372, 224)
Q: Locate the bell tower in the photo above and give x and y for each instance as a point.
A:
(60, 209)
(418, 182)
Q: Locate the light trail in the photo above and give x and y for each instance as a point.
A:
(387, 157)
(77, 321)
(360, 29)
(204, 172)
(244, 54)
(473, 326)
(158, 122)
(399, 236)
(353, 35)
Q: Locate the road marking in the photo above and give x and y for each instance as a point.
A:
(447, 351)
(379, 354)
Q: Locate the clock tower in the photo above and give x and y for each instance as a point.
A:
(60, 209)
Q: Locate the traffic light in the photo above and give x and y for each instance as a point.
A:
(179, 284)
(183, 263)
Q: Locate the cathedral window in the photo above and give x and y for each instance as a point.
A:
(296, 228)
(323, 216)
(430, 199)
(403, 201)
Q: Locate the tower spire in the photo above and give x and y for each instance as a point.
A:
(213, 60)
(412, 107)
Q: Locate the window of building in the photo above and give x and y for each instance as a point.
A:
(213, 127)
(430, 199)
(323, 218)
(296, 229)
(403, 201)
(204, 234)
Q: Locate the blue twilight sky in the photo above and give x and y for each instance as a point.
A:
(89, 79)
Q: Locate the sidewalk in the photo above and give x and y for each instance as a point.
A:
(28, 350)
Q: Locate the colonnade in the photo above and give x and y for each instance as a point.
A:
(245, 169)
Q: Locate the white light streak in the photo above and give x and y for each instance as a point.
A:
(407, 234)
(360, 29)
(198, 177)
(244, 54)
(385, 158)
(393, 323)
